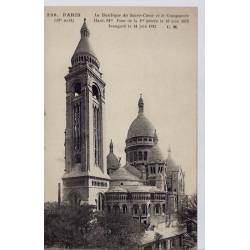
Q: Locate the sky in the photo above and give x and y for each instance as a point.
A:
(159, 63)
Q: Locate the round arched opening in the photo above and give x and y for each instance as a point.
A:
(116, 209)
(135, 209)
(157, 209)
(124, 208)
(95, 92)
(77, 89)
(144, 209)
(100, 204)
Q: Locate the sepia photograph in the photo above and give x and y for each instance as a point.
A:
(120, 122)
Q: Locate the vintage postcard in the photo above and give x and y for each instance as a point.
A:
(121, 127)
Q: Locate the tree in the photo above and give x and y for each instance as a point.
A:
(82, 227)
(120, 230)
(188, 217)
(67, 226)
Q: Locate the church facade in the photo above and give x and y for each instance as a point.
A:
(150, 186)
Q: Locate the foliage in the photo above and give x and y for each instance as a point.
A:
(120, 230)
(188, 217)
(69, 227)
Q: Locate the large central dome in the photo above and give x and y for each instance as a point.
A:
(141, 126)
(140, 139)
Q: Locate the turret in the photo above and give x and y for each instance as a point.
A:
(113, 162)
(140, 105)
(84, 53)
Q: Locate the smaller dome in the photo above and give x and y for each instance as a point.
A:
(155, 154)
(141, 126)
(171, 162)
(112, 160)
(171, 165)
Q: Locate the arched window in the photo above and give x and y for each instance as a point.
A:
(135, 209)
(145, 156)
(95, 92)
(157, 209)
(124, 208)
(163, 208)
(77, 89)
(140, 156)
(144, 209)
(116, 209)
(100, 204)
(135, 156)
(96, 133)
(77, 132)
(96, 125)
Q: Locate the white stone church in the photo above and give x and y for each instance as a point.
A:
(150, 186)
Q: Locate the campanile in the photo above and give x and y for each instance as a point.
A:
(85, 179)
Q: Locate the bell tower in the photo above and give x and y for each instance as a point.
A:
(85, 177)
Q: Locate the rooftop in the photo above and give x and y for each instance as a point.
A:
(134, 189)
(123, 174)
(163, 230)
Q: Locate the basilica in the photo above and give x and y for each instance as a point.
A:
(150, 186)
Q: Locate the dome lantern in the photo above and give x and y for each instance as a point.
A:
(111, 147)
(171, 164)
(113, 162)
(140, 105)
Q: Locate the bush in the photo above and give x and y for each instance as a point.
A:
(82, 227)
(66, 226)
